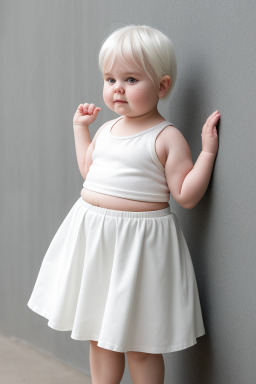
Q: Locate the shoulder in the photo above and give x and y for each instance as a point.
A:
(171, 132)
(172, 139)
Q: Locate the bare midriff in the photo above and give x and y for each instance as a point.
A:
(119, 203)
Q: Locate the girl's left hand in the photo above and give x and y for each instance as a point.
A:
(209, 134)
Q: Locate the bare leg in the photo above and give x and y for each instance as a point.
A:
(107, 367)
(146, 368)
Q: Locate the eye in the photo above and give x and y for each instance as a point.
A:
(110, 80)
(131, 80)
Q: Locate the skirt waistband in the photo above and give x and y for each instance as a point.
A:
(132, 214)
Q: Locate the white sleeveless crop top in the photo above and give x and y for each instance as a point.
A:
(128, 166)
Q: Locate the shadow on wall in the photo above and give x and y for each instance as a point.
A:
(196, 364)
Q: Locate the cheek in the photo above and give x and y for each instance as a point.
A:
(139, 96)
(142, 96)
(106, 94)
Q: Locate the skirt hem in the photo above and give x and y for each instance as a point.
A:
(114, 347)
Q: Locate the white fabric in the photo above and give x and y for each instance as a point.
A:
(128, 166)
(123, 278)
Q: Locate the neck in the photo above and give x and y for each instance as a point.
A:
(152, 117)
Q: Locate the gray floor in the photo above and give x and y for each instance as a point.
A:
(19, 363)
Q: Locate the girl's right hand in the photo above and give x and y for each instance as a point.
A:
(85, 114)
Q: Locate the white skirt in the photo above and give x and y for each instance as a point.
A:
(122, 278)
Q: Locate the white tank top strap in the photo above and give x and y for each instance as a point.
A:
(154, 134)
(106, 130)
(109, 125)
(113, 122)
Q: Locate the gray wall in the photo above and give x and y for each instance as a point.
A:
(48, 64)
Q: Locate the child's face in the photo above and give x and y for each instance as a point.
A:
(129, 92)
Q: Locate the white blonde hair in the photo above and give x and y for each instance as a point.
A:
(149, 49)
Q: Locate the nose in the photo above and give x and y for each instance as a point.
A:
(118, 88)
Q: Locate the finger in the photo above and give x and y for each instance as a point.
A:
(96, 111)
(214, 120)
(212, 123)
(211, 117)
(80, 109)
(91, 109)
(214, 113)
(85, 107)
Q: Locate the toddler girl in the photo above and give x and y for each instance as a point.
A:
(118, 271)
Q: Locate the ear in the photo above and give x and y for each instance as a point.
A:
(164, 85)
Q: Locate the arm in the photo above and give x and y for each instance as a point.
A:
(84, 116)
(187, 182)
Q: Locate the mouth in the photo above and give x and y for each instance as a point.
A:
(120, 101)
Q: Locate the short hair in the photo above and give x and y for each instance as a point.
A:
(149, 48)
